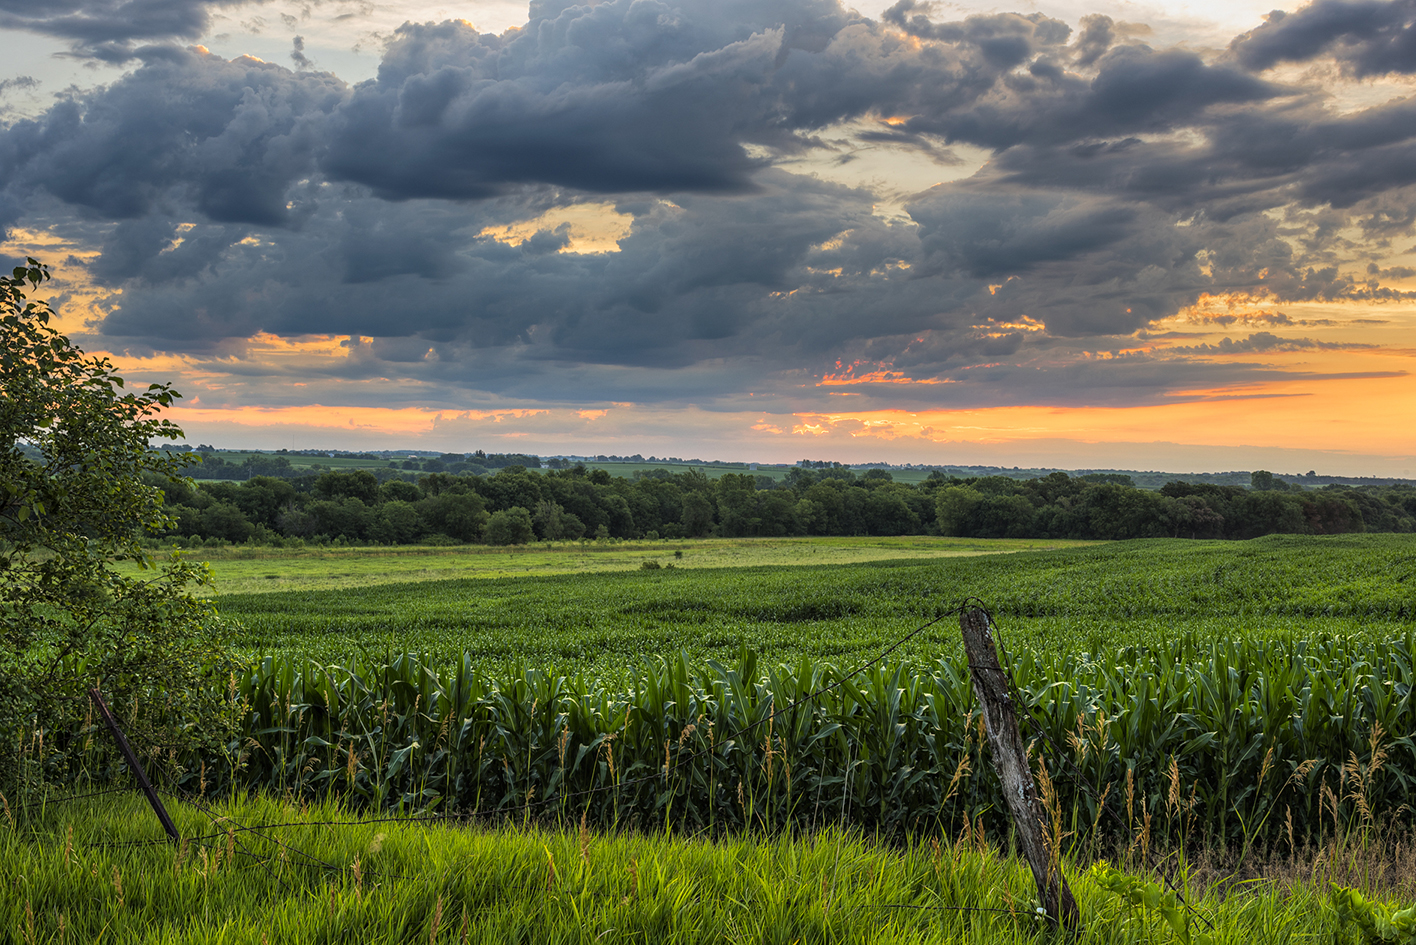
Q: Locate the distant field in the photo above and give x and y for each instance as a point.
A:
(622, 469)
(1090, 599)
(712, 471)
(297, 461)
(627, 470)
(247, 570)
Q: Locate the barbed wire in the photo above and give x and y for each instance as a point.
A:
(447, 816)
(664, 772)
(659, 773)
(55, 800)
(1079, 777)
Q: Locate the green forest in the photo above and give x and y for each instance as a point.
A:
(516, 505)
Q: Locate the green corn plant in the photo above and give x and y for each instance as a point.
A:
(1371, 923)
(1211, 739)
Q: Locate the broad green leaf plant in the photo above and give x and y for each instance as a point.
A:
(1371, 923)
(74, 451)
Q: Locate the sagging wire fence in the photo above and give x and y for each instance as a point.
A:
(1192, 741)
(899, 752)
(228, 829)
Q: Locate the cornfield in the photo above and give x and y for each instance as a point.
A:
(1060, 601)
(1224, 742)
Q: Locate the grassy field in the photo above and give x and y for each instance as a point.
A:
(1066, 600)
(98, 872)
(1267, 676)
(778, 473)
(243, 569)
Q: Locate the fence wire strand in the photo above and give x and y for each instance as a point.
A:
(447, 817)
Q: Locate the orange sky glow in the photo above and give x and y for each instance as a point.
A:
(1354, 418)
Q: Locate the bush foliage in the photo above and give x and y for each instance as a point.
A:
(67, 619)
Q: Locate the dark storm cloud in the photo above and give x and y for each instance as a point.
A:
(625, 96)
(1136, 90)
(664, 97)
(229, 198)
(1366, 38)
(230, 139)
(691, 279)
(109, 29)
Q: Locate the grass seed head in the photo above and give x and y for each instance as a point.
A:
(552, 878)
(1172, 797)
(437, 921)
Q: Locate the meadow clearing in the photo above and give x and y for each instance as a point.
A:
(1235, 715)
(722, 596)
(261, 569)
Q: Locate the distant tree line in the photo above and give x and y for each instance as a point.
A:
(214, 466)
(515, 506)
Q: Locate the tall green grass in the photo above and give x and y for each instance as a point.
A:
(87, 872)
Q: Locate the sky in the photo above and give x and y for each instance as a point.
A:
(1083, 234)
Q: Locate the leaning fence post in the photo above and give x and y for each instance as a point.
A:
(1010, 761)
(135, 766)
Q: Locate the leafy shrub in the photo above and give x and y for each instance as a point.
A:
(1372, 923)
(73, 500)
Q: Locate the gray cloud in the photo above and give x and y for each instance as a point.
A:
(1366, 37)
(227, 198)
(631, 96)
(228, 138)
(111, 29)
(1006, 40)
(19, 82)
(297, 54)
(22, 83)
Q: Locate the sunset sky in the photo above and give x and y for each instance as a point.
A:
(1075, 234)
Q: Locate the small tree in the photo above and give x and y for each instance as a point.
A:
(73, 450)
(510, 527)
(1261, 480)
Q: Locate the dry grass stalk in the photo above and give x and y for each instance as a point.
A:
(552, 877)
(437, 921)
(1172, 797)
(1077, 741)
(1265, 766)
(961, 771)
(1301, 772)
(1101, 809)
(584, 838)
(1130, 798)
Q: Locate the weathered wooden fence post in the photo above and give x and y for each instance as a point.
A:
(1010, 761)
(135, 765)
